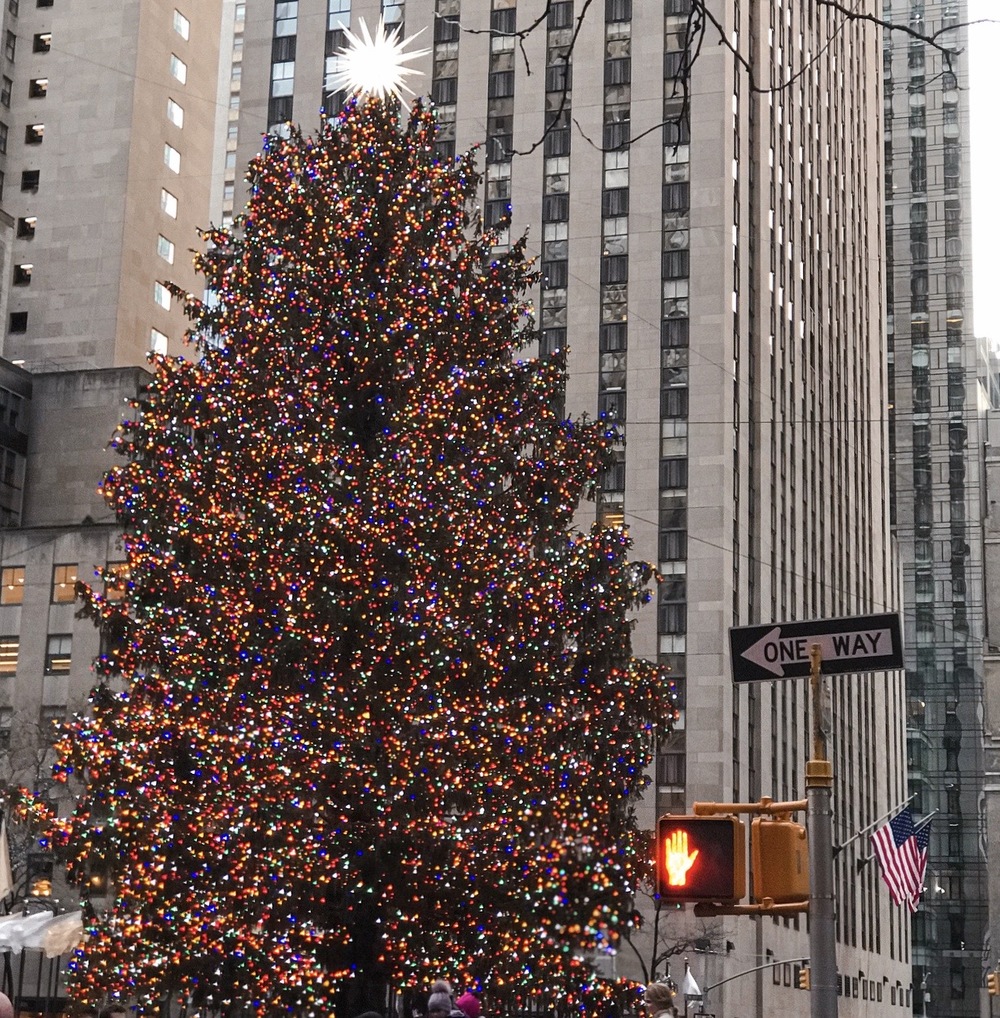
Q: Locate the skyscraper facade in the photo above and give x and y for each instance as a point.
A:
(936, 406)
(703, 190)
(107, 124)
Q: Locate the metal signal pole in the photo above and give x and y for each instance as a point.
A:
(822, 914)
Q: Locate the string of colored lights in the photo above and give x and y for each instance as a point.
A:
(381, 717)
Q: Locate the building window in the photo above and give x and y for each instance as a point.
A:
(116, 578)
(181, 25)
(175, 113)
(285, 18)
(671, 768)
(676, 197)
(38, 88)
(10, 412)
(33, 134)
(673, 473)
(500, 85)
(63, 583)
(157, 342)
(172, 158)
(9, 467)
(6, 87)
(161, 295)
(283, 77)
(9, 646)
(10, 44)
(29, 180)
(555, 275)
(18, 321)
(338, 14)
(614, 203)
(178, 68)
(6, 720)
(165, 249)
(3, 137)
(58, 653)
(42, 42)
(22, 274)
(12, 585)
(26, 226)
(14, 6)
(49, 720)
(168, 203)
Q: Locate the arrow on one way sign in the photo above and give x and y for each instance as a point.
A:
(781, 650)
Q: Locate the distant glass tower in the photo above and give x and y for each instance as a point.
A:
(937, 502)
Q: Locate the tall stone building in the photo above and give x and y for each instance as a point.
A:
(938, 508)
(108, 120)
(709, 231)
(107, 124)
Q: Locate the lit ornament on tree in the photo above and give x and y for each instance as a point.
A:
(382, 721)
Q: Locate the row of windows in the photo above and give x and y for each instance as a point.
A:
(58, 654)
(63, 586)
(444, 77)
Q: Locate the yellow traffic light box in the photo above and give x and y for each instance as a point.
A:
(779, 858)
(992, 983)
(701, 858)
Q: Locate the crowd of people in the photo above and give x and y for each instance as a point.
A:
(657, 1002)
(442, 1003)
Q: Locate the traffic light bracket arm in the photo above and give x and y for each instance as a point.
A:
(706, 909)
(766, 805)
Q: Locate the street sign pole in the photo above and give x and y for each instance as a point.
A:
(822, 918)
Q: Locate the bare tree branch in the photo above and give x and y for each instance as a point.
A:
(564, 97)
(700, 18)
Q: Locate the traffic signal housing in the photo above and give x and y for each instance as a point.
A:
(992, 983)
(805, 978)
(701, 858)
(779, 858)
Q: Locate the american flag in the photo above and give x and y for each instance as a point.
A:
(901, 850)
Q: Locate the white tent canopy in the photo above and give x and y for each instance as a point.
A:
(42, 931)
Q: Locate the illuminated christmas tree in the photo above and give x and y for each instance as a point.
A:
(382, 719)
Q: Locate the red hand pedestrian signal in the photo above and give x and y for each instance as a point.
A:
(677, 859)
(701, 858)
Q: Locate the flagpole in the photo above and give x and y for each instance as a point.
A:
(885, 816)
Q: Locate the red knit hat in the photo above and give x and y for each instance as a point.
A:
(470, 1005)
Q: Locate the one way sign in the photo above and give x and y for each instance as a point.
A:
(862, 643)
